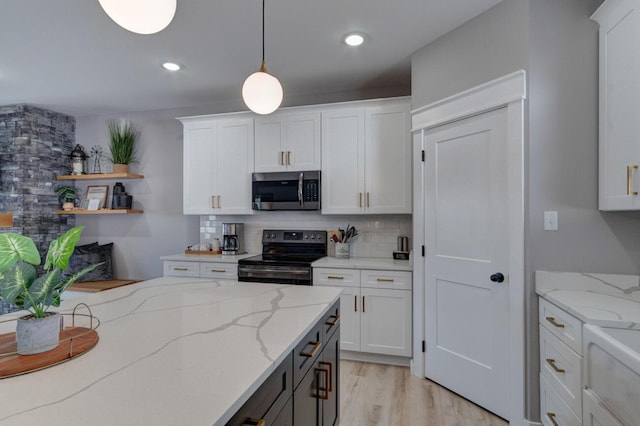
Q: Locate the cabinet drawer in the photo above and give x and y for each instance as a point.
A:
(222, 271)
(307, 352)
(561, 324)
(336, 277)
(553, 408)
(331, 321)
(176, 268)
(400, 280)
(563, 369)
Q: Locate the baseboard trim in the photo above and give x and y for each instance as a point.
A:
(375, 358)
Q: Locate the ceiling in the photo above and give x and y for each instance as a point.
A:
(68, 56)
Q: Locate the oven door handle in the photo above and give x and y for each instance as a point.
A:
(300, 183)
(263, 270)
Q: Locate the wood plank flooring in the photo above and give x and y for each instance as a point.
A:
(385, 395)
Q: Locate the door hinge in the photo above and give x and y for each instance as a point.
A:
(422, 251)
(424, 346)
(423, 155)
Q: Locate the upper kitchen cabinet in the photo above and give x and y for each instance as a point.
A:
(619, 99)
(218, 161)
(287, 142)
(366, 158)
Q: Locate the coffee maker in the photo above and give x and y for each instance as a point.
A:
(232, 238)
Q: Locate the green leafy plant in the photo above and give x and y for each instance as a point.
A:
(122, 141)
(18, 282)
(66, 194)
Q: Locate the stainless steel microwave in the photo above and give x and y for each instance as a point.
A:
(286, 190)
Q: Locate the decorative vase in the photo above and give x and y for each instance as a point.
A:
(342, 250)
(36, 335)
(68, 206)
(120, 168)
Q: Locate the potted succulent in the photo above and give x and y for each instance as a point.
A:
(122, 144)
(67, 196)
(38, 331)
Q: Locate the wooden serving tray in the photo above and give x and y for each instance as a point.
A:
(212, 252)
(74, 341)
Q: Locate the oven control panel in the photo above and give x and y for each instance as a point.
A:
(300, 237)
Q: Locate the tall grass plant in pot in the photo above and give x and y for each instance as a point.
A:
(39, 330)
(122, 144)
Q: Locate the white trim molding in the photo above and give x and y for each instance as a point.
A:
(508, 91)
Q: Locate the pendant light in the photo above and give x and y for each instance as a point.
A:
(141, 16)
(261, 91)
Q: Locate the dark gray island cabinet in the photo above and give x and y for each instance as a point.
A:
(303, 390)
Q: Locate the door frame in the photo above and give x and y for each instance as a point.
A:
(509, 92)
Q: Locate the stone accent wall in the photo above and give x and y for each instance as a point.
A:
(35, 145)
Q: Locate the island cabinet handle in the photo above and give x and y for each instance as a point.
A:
(324, 389)
(330, 385)
(552, 419)
(552, 363)
(180, 269)
(218, 270)
(254, 422)
(333, 320)
(552, 320)
(316, 346)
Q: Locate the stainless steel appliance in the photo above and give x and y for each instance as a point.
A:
(286, 257)
(286, 190)
(232, 238)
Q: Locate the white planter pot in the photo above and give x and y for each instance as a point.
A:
(36, 335)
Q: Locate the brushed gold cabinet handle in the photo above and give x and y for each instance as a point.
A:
(330, 384)
(180, 269)
(363, 305)
(219, 206)
(218, 270)
(360, 199)
(316, 346)
(289, 158)
(335, 277)
(552, 320)
(355, 303)
(336, 320)
(282, 158)
(324, 389)
(368, 200)
(552, 419)
(552, 363)
(254, 422)
(630, 170)
(213, 201)
(384, 280)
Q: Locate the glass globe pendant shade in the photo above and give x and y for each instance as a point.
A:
(141, 16)
(262, 92)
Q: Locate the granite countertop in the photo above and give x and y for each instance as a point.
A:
(171, 351)
(379, 263)
(607, 300)
(219, 258)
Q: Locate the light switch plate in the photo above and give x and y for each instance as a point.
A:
(550, 221)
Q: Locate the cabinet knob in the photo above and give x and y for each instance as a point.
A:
(497, 277)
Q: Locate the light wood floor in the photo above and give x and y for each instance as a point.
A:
(385, 395)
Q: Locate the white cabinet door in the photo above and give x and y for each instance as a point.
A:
(198, 153)
(269, 138)
(350, 319)
(303, 142)
(343, 161)
(385, 321)
(595, 413)
(387, 159)
(234, 165)
(619, 132)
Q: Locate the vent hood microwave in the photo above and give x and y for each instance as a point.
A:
(286, 190)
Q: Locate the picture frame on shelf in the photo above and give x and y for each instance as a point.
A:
(98, 193)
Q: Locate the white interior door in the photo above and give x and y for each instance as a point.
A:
(466, 227)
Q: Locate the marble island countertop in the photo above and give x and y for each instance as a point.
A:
(606, 300)
(171, 351)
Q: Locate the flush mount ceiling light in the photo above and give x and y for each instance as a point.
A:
(261, 91)
(141, 16)
(172, 66)
(354, 39)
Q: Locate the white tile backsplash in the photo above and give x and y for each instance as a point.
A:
(377, 233)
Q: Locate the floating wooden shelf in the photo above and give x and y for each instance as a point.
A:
(97, 176)
(103, 211)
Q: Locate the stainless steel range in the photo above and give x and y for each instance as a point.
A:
(286, 257)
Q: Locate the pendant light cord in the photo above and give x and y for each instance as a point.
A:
(263, 30)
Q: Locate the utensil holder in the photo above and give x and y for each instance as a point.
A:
(342, 250)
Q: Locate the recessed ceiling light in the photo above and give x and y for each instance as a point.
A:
(172, 66)
(354, 39)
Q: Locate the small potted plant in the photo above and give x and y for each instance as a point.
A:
(122, 144)
(67, 196)
(40, 330)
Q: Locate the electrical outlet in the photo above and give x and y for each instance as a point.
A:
(550, 221)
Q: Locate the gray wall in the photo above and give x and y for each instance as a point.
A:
(555, 41)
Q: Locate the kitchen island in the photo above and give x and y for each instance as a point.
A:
(171, 351)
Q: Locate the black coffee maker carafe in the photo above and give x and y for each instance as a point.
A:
(120, 198)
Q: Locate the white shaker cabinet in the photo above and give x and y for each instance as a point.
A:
(619, 103)
(218, 161)
(288, 141)
(366, 159)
